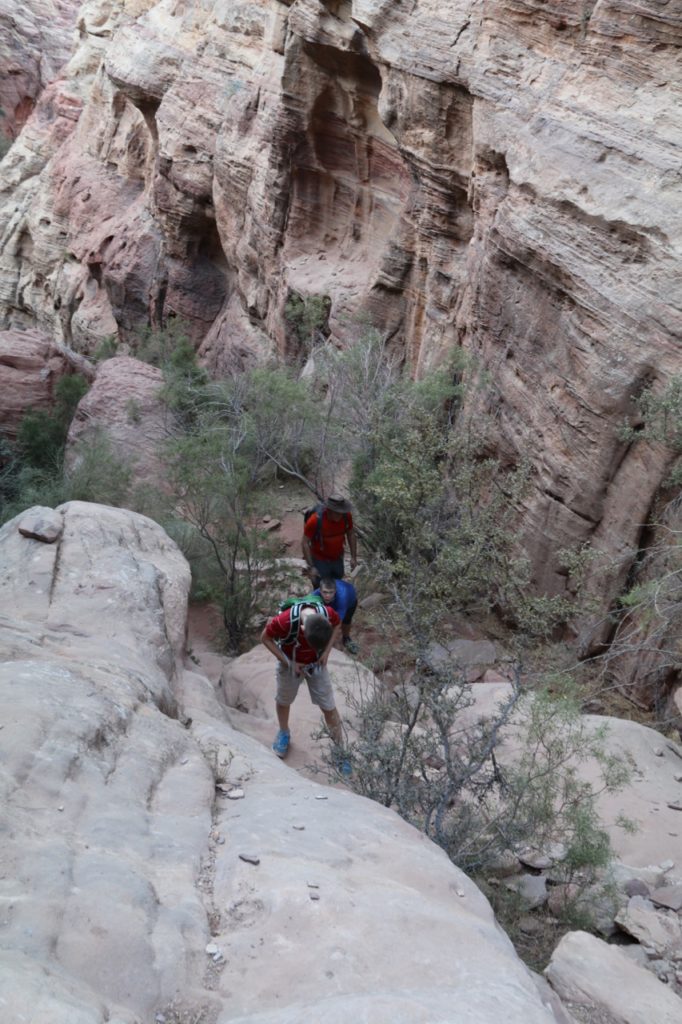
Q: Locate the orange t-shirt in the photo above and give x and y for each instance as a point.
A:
(332, 535)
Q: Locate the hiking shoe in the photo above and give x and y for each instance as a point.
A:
(341, 762)
(281, 744)
(350, 645)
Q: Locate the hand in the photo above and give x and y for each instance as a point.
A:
(353, 564)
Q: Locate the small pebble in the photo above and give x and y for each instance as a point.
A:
(678, 777)
(160, 1019)
(321, 797)
(314, 895)
(312, 885)
(235, 794)
(220, 840)
(250, 858)
(185, 760)
(460, 892)
(217, 957)
(675, 806)
(658, 752)
(299, 828)
(212, 949)
(61, 807)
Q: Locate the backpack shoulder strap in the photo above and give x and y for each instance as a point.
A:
(294, 622)
(295, 610)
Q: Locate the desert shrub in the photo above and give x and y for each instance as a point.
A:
(33, 470)
(106, 349)
(42, 435)
(217, 511)
(307, 317)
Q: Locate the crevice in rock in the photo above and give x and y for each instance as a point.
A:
(561, 501)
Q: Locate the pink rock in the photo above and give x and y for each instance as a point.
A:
(124, 402)
(30, 366)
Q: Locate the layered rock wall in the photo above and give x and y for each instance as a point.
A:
(501, 175)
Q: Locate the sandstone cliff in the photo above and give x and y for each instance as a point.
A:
(497, 174)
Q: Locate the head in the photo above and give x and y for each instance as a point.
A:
(317, 631)
(337, 506)
(327, 589)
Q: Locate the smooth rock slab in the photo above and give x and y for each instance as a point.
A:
(586, 970)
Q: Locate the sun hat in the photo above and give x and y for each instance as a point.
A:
(337, 503)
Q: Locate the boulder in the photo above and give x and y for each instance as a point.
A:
(659, 930)
(124, 402)
(30, 366)
(43, 524)
(587, 971)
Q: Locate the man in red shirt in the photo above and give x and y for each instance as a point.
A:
(302, 650)
(324, 537)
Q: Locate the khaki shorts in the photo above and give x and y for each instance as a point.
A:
(319, 686)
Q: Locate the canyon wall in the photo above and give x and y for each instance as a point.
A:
(500, 175)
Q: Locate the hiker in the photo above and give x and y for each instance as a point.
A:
(342, 597)
(324, 537)
(301, 638)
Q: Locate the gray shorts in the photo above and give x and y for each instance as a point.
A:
(319, 686)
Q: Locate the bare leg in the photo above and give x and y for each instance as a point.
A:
(333, 720)
(283, 716)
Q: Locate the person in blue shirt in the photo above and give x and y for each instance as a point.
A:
(342, 597)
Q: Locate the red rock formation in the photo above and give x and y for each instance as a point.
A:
(30, 366)
(500, 175)
(36, 40)
(124, 402)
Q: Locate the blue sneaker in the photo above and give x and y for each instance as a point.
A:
(342, 764)
(281, 744)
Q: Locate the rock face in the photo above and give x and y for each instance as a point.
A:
(132, 886)
(36, 39)
(30, 366)
(124, 402)
(500, 176)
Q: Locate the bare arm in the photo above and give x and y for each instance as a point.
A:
(324, 657)
(353, 546)
(274, 649)
(307, 551)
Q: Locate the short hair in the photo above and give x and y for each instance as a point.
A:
(317, 630)
(328, 582)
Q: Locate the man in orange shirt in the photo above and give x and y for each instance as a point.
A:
(324, 537)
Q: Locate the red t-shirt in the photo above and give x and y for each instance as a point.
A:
(332, 535)
(278, 628)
